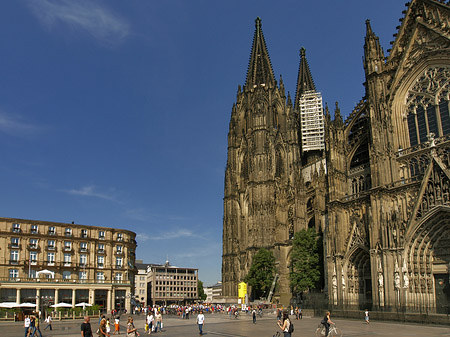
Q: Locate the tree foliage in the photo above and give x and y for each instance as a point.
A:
(261, 273)
(201, 291)
(305, 266)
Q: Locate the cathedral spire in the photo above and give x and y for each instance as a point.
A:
(304, 79)
(259, 68)
(373, 53)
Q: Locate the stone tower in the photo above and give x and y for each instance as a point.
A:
(262, 201)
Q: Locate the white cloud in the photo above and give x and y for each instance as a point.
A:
(142, 237)
(90, 191)
(14, 125)
(82, 15)
(171, 235)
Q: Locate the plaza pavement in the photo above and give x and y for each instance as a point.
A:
(219, 325)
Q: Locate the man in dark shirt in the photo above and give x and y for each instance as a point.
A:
(86, 330)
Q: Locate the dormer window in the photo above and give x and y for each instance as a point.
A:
(84, 233)
(16, 228)
(34, 229)
(51, 230)
(119, 237)
(67, 245)
(68, 232)
(101, 235)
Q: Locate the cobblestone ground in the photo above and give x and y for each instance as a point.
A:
(221, 325)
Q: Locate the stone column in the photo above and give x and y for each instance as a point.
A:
(108, 301)
(128, 300)
(74, 293)
(38, 300)
(18, 296)
(113, 298)
(91, 296)
(56, 295)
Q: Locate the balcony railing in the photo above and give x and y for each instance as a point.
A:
(51, 232)
(101, 251)
(33, 247)
(15, 246)
(16, 230)
(83, 250)
(14, 262)
(58, 280)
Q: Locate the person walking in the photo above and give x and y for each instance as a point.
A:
(86, 330)
(285, 324)
(116, 325)
(48, 320)
(37, 327)
(158, 318)
(254, 315)
(26, 324)
(150, 322)
(131, 329)
(366, 316)
(200, 322)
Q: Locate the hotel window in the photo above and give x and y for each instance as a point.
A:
(83, 259)
(32, 273)
(84, 233)
(100, 261)
(14, 256)
(83, 246)
(15, 242)
(68, 232)
(34, 229)
(16, 228)
(51, 244)
(101, 235)
(101, 247)
(100, 277)
(67, 245)
(33, 257)
(51, 230)
(51, 258)
(13, 273)
(33, 243)
(119, 237)
(82, 275)
(66, 275)
(67, 259)
(118, 276)
(119, 262)
(119, 249)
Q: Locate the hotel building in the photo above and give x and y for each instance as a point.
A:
(47, 262)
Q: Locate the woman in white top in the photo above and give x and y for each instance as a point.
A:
(286, 324)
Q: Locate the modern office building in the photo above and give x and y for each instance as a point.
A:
(140, 283)
(168, 284)
(47, 262)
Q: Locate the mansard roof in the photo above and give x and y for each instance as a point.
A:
(259, 68)
(304, 79)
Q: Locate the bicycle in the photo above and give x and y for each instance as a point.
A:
(277, 334)
(333, 332)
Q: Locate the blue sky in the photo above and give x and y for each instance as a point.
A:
(115, 113)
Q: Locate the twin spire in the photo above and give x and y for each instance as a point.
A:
(260, 69)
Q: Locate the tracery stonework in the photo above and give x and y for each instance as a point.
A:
(379, 192)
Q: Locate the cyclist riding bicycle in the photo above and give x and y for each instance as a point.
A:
(327, 322)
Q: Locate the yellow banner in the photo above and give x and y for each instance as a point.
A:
(242, 289)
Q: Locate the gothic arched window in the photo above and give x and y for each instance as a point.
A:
(279, 170)
(428, 105)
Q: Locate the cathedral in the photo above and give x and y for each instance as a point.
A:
(375, 185)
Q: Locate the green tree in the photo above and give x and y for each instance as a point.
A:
(261, 273)
(305, 266)
(201, 291)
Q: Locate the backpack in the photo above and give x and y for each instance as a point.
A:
(291, 327)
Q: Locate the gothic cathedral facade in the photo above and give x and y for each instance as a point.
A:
(377, 184)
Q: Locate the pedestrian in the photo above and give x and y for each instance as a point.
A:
(200, 322)
(86, 330)
(187, 313)
(159, 323)
(131, 329)
(26, 324)
(150, 321)
(108, 328)
(285, 325)
(366, 316)
(102, 328)
(254, 315)
(48, 320)
(37, 327)
(116, 325)
(300, 313)
(32, 328)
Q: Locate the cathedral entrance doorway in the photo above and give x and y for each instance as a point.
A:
(426, 272)
(359, 292)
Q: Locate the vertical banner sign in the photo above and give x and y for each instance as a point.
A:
(242, 292)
